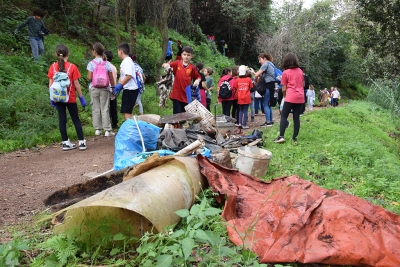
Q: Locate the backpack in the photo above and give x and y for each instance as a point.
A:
(140, 82)
(225, 90)
(59, 88)
(261, 86)
(100, 78)
(277, 73)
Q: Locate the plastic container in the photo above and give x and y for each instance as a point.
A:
(225, 128)
(253, 160)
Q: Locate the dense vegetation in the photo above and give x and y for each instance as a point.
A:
(354, 148)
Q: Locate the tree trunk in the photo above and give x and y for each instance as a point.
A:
(163, 29)
(127, 14)
(98, 14)
(118, 36)
(133, 28)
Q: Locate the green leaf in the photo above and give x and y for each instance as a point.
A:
(177, 233)
(201, 235)
(189, 218)
(164, 261)
(114, 251)
(119, 237)
(195, 209)
(225, 251)
(197, 225)
(187, 246)
(182, 213)
(212, 211)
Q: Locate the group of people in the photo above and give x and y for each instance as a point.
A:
(332, 96)
(242, 80)
(103, 97)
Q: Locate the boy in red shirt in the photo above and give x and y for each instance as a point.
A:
(184, 72)
(242, 86)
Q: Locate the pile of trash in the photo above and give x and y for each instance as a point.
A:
(196, 131)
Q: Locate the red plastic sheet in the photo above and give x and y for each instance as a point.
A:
(293, 220)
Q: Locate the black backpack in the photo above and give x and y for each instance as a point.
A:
(225, 90)
(261, 86)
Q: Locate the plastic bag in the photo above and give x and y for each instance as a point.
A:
(128, 141)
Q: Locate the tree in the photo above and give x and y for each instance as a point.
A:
(237, 22)
(132, 24)
(379, 25)
(323, 46)
(159, 11)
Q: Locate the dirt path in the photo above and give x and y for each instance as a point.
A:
(27, 177)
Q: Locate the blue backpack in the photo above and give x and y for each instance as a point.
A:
(278, 72)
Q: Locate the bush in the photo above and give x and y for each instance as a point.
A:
(386, 93)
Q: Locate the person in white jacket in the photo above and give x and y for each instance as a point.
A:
(310, 97)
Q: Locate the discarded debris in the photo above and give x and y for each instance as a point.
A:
(292, 220)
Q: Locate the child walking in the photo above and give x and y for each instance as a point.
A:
(100, 95)
(310, 97)
(142, 79)
(127, 81)
(209, 84)
(242, 86)
(225, 102)
(113, 99)
(293, 92)
(35, 24)
(184, 72)
(62, 65)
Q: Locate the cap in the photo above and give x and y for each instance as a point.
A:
(242, 70)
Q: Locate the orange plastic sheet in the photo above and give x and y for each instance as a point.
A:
(293, 220)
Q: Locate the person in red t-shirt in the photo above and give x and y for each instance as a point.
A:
(242, 86)
(184, 72)
(62, 65)
(293, 91)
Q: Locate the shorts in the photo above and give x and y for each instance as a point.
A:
(168, 57)
(128, 100)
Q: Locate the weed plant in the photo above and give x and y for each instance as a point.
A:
(386, 93)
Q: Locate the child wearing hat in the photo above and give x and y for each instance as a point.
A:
(242, 86)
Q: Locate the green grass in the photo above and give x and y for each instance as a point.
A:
(347, 148)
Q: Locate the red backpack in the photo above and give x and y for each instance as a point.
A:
(100, 78)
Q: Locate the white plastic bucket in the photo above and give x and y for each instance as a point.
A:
(253, 160)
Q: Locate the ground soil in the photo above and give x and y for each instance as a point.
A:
(28, 176)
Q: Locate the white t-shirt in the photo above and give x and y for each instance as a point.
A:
(335, 94)
(128, 68)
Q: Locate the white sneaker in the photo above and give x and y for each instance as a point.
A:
(82, 144)
(97, 132)
(109, 133)
(67, 145)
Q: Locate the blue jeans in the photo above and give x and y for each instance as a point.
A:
(243, 116)
(267, 108)
(252, 104)
(37, 47)
(258, 104)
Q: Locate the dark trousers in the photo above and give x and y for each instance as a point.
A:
(235, 109)
(62, 119)
(303, 107)
(226, 107)
(178, 106)
(114, 112)
(208, 103)
(296, 118)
